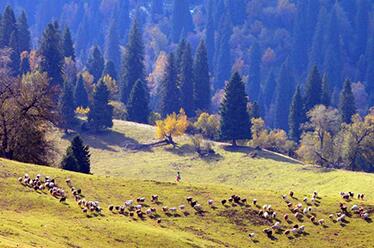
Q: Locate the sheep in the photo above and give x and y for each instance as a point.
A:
(254, 201)
(138, 207)
(362, 196)
(291, 193)
(346, 197)
(287, 232)
(358, 196)
(265, 206)
(165, 209)
(310, 209)
(251, 235)
(305, 211)
(274, 215)
(148, 211)
(159, 220)
(154, 198)
(313, 219)
(189, 198)
(244, 200)
(173, 209)
(193, 203)
(351, 194)
(305, 199)
(182, 207)
(365, 216)
(286, 217)
(20, 179)
(298, 215)
(313, 199)
(111, 208)
(268, 231)
(198, 208)
(315, 194)
(63, 199)
(210, 202)
(266, 215)
(354, 208)
(128, 203)
(343, 207)
(284, 197)
(301, 229)
(153, 210)
(331, 216)
(223, 202)
(289, 204)
(299, 205)
(321, 221)
(84, 210)
(276, 226)
(341, 218)
(140, 199)
(294, 230)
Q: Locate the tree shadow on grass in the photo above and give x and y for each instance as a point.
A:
(261, 154)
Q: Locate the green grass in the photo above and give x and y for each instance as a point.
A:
(30, 219)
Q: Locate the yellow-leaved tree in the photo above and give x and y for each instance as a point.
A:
(173, 125)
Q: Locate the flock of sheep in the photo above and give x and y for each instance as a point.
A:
(138, 208)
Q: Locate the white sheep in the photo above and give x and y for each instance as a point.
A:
(276, 225)
(354, 208)
(321, 221)
(210, 202)
(182, 207)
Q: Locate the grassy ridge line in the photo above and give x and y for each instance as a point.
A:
(31, 219)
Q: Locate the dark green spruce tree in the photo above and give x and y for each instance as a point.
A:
(296, 116)
(51, 52)
(370, 71)
(112, 48)
(15, 54)
(326, 96)
(69, 162)
(235, 123)
(66, 107)
(132, 64)
(185, 81)
(7, 26)
(100, 115)
(68, 45)
(347, 102)
(24, 64)
(95, 63)
(313, 89)
(169, 92)
(254, 72)
(82, 154)
(283, 96)
(138, 105)
(362, 27)
(201, 81)
(210, 34)
(80, 94)
(109, 69)
(24, 37)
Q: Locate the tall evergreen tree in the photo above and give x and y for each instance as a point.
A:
(95, 63)
(179, 54)
(138, 105)
(326, 96)
(101, 112)
(237, 11)
(24, 63)
(318, 42)
(370, 71)
(210, 34)
(112, 48)
(296, 116)
(254, 72)
(223, 59)
(24, 37)
(283, 96)
(269, 90)
(300, 38)
(201, 81)
(66, 107)
(77, 157)
(15, 54)
(313, 89)
(157, 8)
(51, 52)
(181, 19)
(170, 97)
(185, 81)
(109, 69)
(68, 44)
(80, 94)
(362, 27)
(347, 102)
(235, 123)
(132, 65)
(7, 26)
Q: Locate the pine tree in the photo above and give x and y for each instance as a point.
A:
(223, 59)
(132, 65)
(326, 96)
(315, 54)
(347, 102)
(237, 11)
(69, 162)
(95, 63)
(100, 115)
(66, 107)
(235, 123)
(24, 66)
(157, 8)
(68, 44)
(181, 19)
(80, 94)
(112, 49)
(210, 34)
(82, 155)
(300, 38)
(370, 71)
(109, 69)
(185, 81)
(170, 95)
(138, 105)
(362, 27)
(296, 116)
(179, 54)
(283, 95)
(201, 81)
(51, 51)
(24, 37)
(254, 72)
(7, 26)
(15, 55)
(313, 89)
(269, 90)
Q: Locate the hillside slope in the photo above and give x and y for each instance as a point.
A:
(31, 219)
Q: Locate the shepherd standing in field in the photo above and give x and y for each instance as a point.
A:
(178, 176)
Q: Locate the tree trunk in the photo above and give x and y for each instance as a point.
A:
(234, 143)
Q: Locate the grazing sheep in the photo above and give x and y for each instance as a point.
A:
(154, 198)
(313, 199)
(268, 231)
(346, 197)
(286, 217)
(351, 194)
(198, 208)
(173, 209)
(354, 208)
(254, 201)
(365, 216)
(251, 235)
(148, 211)
(84, 210)
(299, 205)
(298, 215)
(305, 199)
(210, 202)
(189, 198)
(309, 209)
(140, 199)
(274, 215)
(129, 203)
(165, 209)
(244, 200)
(343, 207)
(63, 199)
(289, 204)
(321, 221)
(111, 208)
(287, 232)
(138, 207)
(301, 229)
(315, 194)
(305, 211)
(341, 218)
(193, 203)
(223, 202)
(362, 196)
(313, 219)
(358, 196)
(266, 215)
(276, 226)
(291, 193)
(294, 230)
(158, 220)
(284, 197)
(331, 216)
